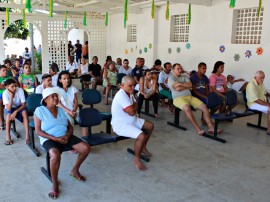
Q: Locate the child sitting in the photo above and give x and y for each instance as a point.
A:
(109, 79)
(15, 105)
(27, 81)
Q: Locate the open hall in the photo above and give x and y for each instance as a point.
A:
(186, 166)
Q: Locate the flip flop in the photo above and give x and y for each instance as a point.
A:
(8, 142)
(79, 177)
(219, 131)
(53, 194)
(201, 133)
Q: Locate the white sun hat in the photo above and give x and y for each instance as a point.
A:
(49, 91)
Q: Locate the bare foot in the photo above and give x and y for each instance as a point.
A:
(147, 153)
(139, 165)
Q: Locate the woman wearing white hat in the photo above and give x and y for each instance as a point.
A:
(56, 135)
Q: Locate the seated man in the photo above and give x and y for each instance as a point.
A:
(72, 66)
(180, 86)
(125, 123)
(95, 73)
(257, 96)
(46, 82)
(137, 72)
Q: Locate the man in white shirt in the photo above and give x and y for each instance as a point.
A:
(72, 66)
(46, 82)
(125, 123)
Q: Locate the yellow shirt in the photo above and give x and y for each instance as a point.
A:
(255, 91)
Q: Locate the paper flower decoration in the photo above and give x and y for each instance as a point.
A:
(126, 51)
(259, 51)
(150, 46)
(178, 49)
(145, 50)
(222, 49)
(236, 57)
(248, 54)
(140, 51)
(169, 50)
(188, 46)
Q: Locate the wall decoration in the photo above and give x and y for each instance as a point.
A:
(51, 8)
(125, 13)
(65, 21)
(236, 57)
(145, 50)
(28, 6)
(106, 19)
(188, 46)
(260, 8)
(248, 53)
(189, 14)
(24, 18)
(259, 51)
(232, 3)
(7, 17)
(150, 46)
(222, 49)
(169, 50)
(153, 9)
(178, 49)
(126, 51)
(131, 50)
(140, 51)
(84, 18)
(168, 10)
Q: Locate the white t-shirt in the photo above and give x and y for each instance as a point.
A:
(54, 79)
(120, 102)
(163, 78)
(84, 68)
(39, 89)
(18, 99)
(26, 55)
(236, 85)
(67, 98)
(71, 67)
(122, 70)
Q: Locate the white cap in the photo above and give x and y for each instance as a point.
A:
(49, 91)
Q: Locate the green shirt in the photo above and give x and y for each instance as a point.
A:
(2, 79)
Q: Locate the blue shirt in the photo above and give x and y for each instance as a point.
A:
(56, 127)
(137, 72)
(199, 84)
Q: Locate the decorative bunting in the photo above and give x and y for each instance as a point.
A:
(189, 14)
(7, 16)
(125, 13)
(84, 18)
(168, 10)
(232, 3)
(24, 19)
(106, 19)
(236, 57)
(259, 51)
(260, 8)
(153, 9)
(28, 6)
(248, 53)
(65, 22)
(51, 9)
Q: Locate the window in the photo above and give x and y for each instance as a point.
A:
(247, 26)
(132, 33)
(179, 28)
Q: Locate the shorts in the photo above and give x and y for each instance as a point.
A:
(166, 93)
(19, 114)
(181, 101)
(99, 80)
(73, 140)
(258, 107)
(85, 77)
(132, 130)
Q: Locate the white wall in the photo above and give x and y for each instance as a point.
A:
(210, 27)
(76, 34)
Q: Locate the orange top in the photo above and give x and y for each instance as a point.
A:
(85, 50)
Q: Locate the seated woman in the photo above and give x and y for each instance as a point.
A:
(218, 84)
(83, 73)
(148, 90)
(109, 79)
(56, 135)
(15, 105)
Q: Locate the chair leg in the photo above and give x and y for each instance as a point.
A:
(146, 109)
(108, 126)
(214, 137)
(32, 145)
(259, 124)
(47, 172)
(13, 129)
(176, 122)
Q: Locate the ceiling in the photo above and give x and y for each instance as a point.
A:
(96, 6)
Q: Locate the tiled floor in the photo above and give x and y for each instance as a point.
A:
(185, 167)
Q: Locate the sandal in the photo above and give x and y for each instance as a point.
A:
(8, 142)
(201, 133)
(53, 194)
(78, 177)
(157, 116)
(212, 131)
(2, 128)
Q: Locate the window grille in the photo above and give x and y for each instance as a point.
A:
(132, 33)
(179, 28)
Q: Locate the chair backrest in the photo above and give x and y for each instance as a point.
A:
(33, 101)
(119, 77)
(231, 98)
(91, 96)
(213, 100)
(89, 117)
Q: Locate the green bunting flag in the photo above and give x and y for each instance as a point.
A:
(189, 14)
(106, 19)
(260, 8)
(153, 9)
(65, 22)
(232, 3)
(84, 18)
(7, 16)
(125, 13)
(28, 6)
(168, 10)
(51, 9)
(24, 19)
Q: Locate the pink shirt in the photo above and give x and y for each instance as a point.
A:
(218, 81)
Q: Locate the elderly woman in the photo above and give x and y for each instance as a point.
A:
(56, 135)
